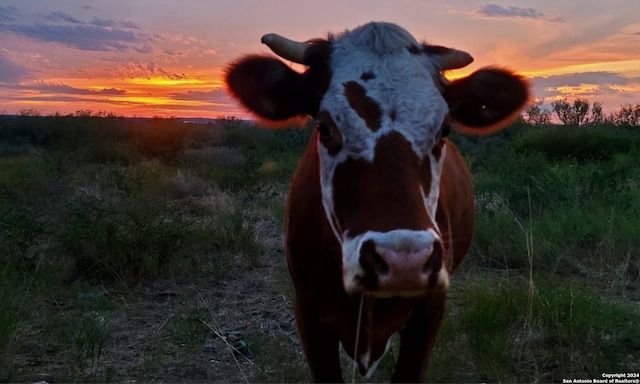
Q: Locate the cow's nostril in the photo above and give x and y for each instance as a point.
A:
(371, 260)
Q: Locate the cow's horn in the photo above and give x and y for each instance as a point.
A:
(454, 59)
(285, 48)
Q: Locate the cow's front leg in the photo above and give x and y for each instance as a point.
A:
(321, 347)
(417, 339)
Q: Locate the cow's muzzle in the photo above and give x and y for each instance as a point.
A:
(397, 263)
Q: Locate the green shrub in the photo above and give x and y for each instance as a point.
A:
(129, 239)
(499, 241)
(249, 157)
(588, 238)
(578, 208)
(22, 236)
(10, 303)
(581, 144)
(526, 183)
(25, 176)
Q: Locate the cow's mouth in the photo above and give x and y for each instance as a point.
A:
(377, 286)
(390, 294)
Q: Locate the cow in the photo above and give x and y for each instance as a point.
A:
(380, 209)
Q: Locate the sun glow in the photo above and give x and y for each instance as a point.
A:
(582, 89)
(158, 100)
(196, 96)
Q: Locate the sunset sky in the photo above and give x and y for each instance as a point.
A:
(165, 58)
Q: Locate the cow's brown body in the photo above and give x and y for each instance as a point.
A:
(380, 210)
(326, 314)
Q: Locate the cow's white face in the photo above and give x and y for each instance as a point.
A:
(381, 106)
(384, 98)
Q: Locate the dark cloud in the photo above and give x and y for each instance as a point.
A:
(496, 10)
(59, 16)
(110, 23)
(69, 90)
(214, 96)
(63, 98)
(8, 13)
(143, 49)
(154, 70)
(127, 24)
(102, 22)
(84, 37)
(146, 70)
(97, 35)
(576, 79)
(111, 91)
(9, 71)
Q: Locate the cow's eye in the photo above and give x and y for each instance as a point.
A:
(323, 129)
(328, 133)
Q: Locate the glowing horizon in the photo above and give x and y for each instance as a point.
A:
(135, 59)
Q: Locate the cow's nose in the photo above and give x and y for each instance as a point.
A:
(392, 270)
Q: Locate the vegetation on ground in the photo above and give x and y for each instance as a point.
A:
(151, 249)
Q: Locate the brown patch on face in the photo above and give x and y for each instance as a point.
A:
(383, 195)
(367, 108)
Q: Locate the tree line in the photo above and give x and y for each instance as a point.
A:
(580, 112)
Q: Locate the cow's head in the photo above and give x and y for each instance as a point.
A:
(382, 109)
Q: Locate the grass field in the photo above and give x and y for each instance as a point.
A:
(152, 250)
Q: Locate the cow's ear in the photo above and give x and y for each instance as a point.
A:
(487, 100)
(269, 88)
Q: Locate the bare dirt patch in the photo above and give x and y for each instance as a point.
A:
(178, 330)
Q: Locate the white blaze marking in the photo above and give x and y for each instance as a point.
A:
(442, 279)
(365, 359)
(431, 199)
(327, 172)
(403, 83)
(374, 364)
